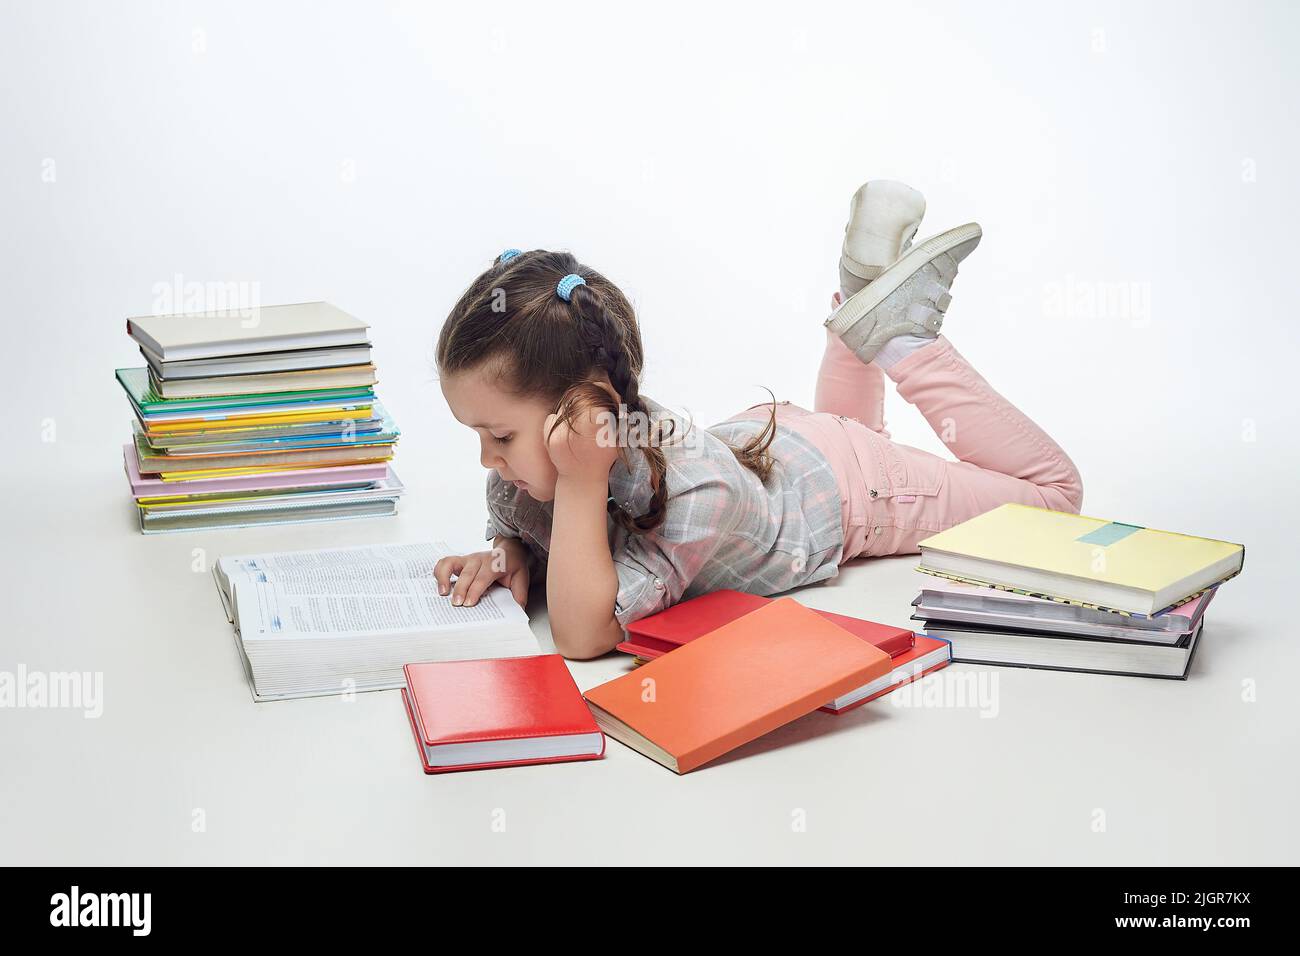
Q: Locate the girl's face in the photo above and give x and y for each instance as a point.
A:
(509, 429)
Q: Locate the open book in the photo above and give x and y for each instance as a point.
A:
(313, 623)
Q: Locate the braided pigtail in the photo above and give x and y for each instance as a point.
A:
(605, 340)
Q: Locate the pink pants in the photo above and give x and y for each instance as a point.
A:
(895, 496)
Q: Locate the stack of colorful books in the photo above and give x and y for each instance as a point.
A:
(1029, 587)
(251, 417)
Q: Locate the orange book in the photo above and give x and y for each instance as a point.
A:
(734, 684)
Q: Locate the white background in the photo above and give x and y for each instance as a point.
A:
(378, 156)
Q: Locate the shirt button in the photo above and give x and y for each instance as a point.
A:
(659, 585)
(873, 492)
(877, 531)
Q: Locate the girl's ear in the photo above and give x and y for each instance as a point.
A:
(585, 396)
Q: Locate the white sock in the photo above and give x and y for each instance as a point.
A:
(900, 347)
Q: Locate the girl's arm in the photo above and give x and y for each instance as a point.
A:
(581, 583)
(536, 567)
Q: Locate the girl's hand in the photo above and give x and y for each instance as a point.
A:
(506, 563)
(587, 449)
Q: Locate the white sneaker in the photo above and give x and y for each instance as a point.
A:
(908, 298)
(883, 217)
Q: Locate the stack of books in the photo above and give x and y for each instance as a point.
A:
(912, 656)
(1028, 587)
(266, 416)
(730, 686)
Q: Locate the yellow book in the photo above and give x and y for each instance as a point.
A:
(1067, 557)
(269, 469)
(253, 421)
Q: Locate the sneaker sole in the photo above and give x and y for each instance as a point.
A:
(895, 195)
(858, 305)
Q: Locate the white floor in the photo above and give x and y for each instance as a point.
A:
(987, 765)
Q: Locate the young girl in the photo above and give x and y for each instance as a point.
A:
(542, 356)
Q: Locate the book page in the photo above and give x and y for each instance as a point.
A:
(371, 569)
(267, 609)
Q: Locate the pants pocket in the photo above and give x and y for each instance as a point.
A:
(905, 499)
(914, 495)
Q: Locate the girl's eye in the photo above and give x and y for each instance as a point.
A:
(503, 439)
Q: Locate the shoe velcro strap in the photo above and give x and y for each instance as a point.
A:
(930, 285)
(923, 315)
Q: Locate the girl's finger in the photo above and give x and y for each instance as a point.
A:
(483, 580)
(445, 568)
(552, 441)
(465, 578)
(519, 586)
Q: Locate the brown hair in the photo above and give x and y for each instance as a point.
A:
(550, 348)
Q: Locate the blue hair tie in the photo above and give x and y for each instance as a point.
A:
(509, 254)
(566, 285)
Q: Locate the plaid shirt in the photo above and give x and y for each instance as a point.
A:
(723, 527)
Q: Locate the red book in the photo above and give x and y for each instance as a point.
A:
(736, 683)
(928, 655)
(659, 633)
(913, 656)
(470, 715)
